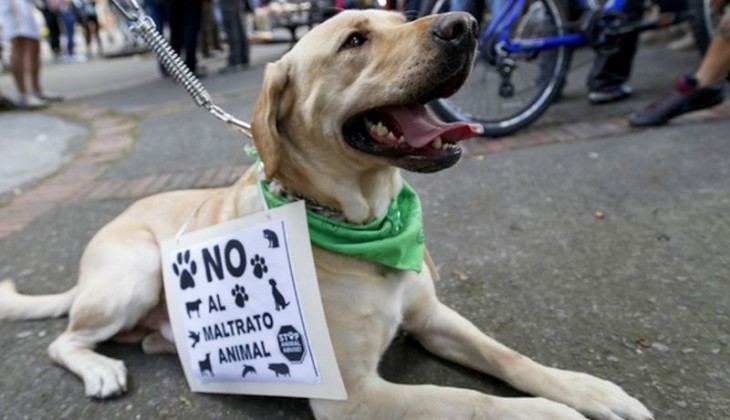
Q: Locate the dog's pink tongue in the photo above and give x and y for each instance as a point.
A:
(420, 127)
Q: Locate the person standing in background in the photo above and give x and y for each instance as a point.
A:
(68, 20)
(702, 89)
(238, 51)
(185, 21)
(51, 10)
(85, 12)
(209, 33)
(20, 28)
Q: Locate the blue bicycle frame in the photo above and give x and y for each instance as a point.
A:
(506, 17)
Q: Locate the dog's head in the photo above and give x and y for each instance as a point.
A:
(356, 86)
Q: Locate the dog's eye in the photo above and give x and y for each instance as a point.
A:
(355, 40)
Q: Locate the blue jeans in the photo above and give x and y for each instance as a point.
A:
(68, 20)
(467, 6)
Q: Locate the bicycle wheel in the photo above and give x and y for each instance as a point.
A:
(707, 15)
(535, 81)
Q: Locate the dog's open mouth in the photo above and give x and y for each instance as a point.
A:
(410, 134)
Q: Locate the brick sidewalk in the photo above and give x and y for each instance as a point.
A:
(111, 137)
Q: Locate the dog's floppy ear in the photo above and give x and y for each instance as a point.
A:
(265, 115)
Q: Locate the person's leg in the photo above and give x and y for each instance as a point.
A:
(33, 68)
(459, 5)
(69, 20)
(86, 29)
(716, 63)
(54, 31)
(228, 10)
(206, 32)
(702, 90)
(192, 22)
(611, 72)
(17, 64)
(33, 58)
(155, 10)
(495, 6)
(244, 48)
(475, 7)
(95, 23)
(159, 11)
(21, 61)
(177, 24)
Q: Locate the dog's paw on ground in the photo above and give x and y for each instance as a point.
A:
(185, 270)
(105, 377)
(240, 295)
(259, 266)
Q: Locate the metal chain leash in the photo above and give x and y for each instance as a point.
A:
(144, 26)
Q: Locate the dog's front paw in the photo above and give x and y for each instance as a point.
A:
(594, 397)
(106, 378)
(534, 409)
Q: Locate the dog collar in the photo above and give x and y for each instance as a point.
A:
(395, 239)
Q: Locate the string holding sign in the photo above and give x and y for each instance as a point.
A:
(144, 26)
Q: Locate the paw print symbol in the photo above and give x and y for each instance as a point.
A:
(239, 292)
(185, 270)
(259, 266)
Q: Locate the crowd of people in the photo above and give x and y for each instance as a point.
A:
(190, 25)
(19, 26)
(194, 24)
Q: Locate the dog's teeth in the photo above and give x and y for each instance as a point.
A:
(370, 126)
(402, 139)
(438, 143)
(379, 129)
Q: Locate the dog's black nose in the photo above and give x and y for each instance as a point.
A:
(455, 27)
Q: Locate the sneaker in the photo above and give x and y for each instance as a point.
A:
(228, 68)
(31, 102)
(686, 97)
(48, 96)
(612, 94)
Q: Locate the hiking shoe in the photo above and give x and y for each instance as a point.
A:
(612, 94)
(686, 97)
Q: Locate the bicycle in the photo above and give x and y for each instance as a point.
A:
(525, 52)
(707, 15)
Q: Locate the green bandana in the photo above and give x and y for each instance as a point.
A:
(395, 239)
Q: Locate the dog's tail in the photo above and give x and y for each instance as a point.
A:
(14, 305)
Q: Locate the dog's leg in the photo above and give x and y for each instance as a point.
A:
(374, 398)
(449, 335)
(103, 376)
(119, 284)
(160, 341)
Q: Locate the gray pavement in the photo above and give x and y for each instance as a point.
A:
(34, 146)
(640, 296)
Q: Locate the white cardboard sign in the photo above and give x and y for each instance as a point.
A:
(245, 308)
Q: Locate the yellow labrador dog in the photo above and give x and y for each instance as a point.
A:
(338, 116)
